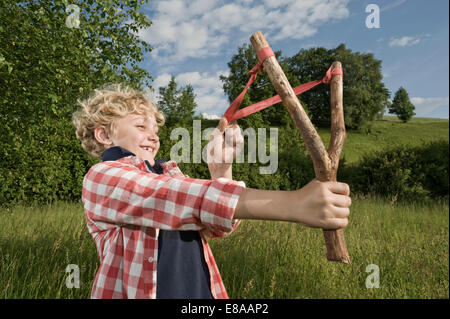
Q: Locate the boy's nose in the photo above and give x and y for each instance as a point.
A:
(153, 137)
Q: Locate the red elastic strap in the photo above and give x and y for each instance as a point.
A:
(329, 75)
(233, 112)
(262, 54)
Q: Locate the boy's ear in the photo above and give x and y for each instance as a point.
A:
(102, 135)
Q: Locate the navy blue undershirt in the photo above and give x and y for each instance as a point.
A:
(182, 270)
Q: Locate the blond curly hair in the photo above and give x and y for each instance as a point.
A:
(104, 107)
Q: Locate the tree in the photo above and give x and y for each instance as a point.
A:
(177, 104)
(53, 53)
(47, 63)
(402, 106)
(365, 95)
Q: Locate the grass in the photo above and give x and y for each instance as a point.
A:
(36, 246)
(408, 242)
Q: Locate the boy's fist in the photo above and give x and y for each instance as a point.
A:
(323, 204)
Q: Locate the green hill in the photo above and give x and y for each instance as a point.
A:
(389, 132)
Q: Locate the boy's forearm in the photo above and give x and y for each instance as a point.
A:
(317, 204)
(263, 205)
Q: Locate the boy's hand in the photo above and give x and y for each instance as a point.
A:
(225, 143)
(322, 204)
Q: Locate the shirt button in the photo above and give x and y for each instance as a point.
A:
(150, 259)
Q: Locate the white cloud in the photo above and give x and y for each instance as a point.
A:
(207, 88)
(184, 29)
(404, 41)
(198, 28)
(392, 5)
(159, 81)
(427, 105)
(209, 116)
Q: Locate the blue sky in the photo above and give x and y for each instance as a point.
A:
(194, 40)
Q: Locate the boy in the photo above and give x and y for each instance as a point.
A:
(149, 220)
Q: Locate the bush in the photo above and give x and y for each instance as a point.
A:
(403, 172)
(44, 164)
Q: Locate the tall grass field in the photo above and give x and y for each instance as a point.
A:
(403, 247)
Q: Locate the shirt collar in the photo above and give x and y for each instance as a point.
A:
(114, 153)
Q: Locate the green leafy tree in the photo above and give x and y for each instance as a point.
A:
(53, 53)
(48, 61)
(177, 103)
(402, 106)
(365, 95)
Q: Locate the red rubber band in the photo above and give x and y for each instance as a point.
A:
(233, 112)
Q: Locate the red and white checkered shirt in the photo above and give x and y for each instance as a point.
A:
(126, 205)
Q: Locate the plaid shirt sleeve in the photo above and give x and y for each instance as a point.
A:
(116, 193)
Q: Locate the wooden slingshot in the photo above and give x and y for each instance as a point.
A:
(325, 162)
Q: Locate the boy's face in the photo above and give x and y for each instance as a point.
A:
(138, 134)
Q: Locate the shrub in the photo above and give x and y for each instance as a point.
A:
(44, 164)
(403, 172)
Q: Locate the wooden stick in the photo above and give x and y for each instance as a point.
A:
(325, 162)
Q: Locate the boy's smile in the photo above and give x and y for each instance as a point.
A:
(138, 134)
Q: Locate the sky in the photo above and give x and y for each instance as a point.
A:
(193, 40)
